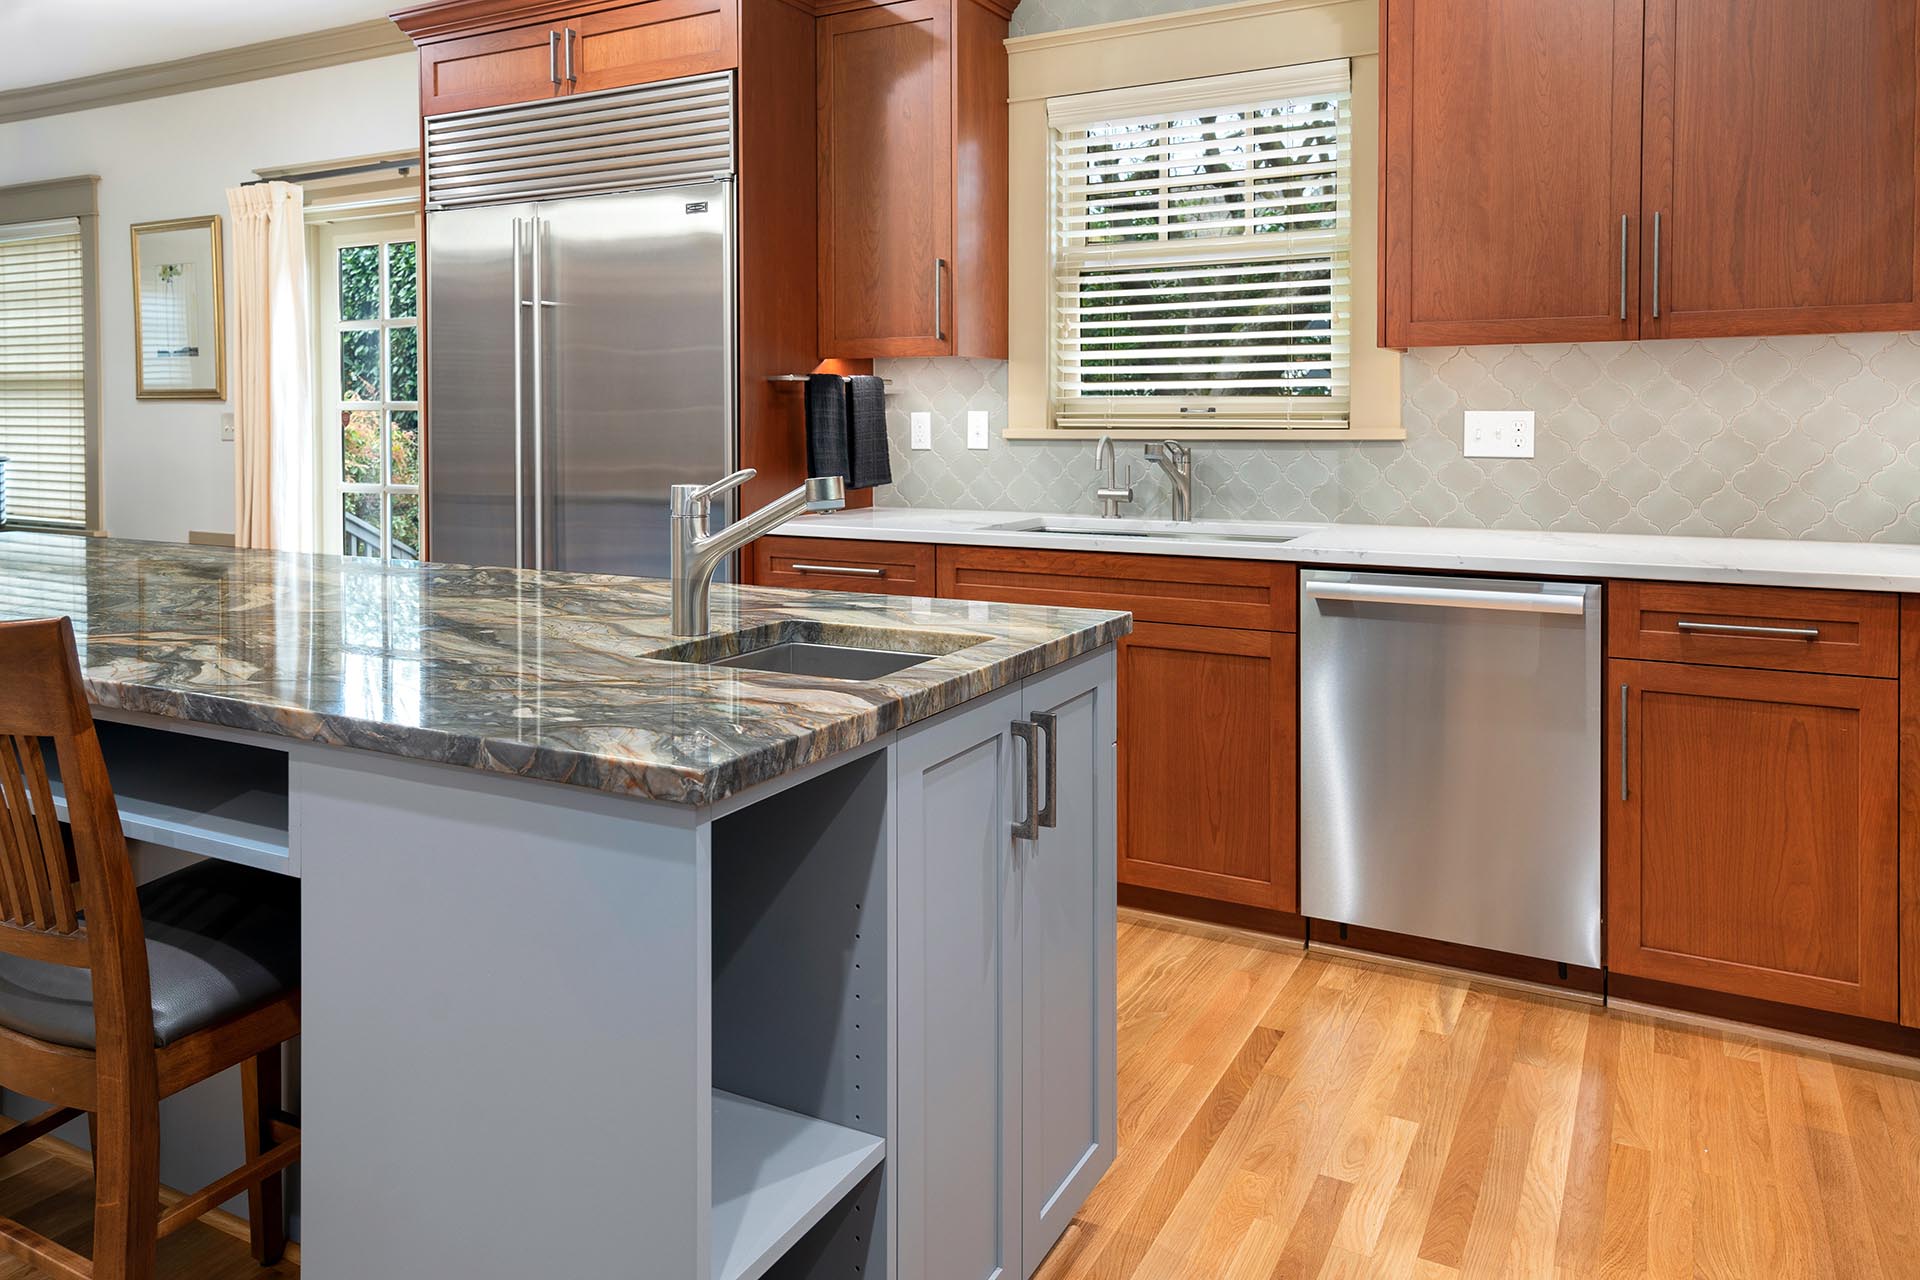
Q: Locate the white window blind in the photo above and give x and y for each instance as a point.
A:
(43, 421)
(1201, 238)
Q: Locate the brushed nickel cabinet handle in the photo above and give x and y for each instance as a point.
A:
(1046, 815)
(1623, 743)
(844, 570)
(1742, 629)
(1028, 828)
(1623, 266)
(571, 36)
(939, 300)
(1656, 265)
(553, 56)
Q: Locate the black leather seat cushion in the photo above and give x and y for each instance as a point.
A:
(220, 939)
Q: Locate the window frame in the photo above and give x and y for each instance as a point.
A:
(328, 240)
(48, 201)
(1166, 48)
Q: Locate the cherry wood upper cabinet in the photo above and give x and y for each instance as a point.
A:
(1510, 171)
(1781, 159)
(1751, 846)
(490, 53)
(913, 180)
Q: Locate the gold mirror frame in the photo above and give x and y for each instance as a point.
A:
(218, 391)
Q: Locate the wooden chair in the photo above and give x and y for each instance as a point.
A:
(104, 1011)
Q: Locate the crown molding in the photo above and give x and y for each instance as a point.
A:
(1177, 20)
(378, 38)
(445, 19)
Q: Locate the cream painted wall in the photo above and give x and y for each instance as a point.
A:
(165, 470)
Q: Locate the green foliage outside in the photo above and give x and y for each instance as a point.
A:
(364, 439)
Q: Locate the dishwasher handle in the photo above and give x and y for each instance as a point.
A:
(1448, 597)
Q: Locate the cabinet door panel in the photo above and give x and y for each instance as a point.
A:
(1067, 936)
(1512, 153)
(657, 40)
(886, 180)
(1208, 775)
(1753, 850)
(1781, 153)
(959, 1009)
(491, 70)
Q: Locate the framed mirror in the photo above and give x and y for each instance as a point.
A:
(179, 330)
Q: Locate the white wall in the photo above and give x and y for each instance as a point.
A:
(165, 469)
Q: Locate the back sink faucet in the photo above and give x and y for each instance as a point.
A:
(1176, 460)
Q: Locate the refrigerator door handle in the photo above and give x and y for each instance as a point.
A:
(539, 403)
(519, 403)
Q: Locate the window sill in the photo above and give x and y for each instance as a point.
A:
(1263, 435)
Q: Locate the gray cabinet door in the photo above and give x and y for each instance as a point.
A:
(957, 1160)
(1067, 931)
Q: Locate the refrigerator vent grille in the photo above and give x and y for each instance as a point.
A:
(657, 135)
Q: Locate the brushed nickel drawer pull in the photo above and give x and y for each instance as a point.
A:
(845, 570)
(1740, 629)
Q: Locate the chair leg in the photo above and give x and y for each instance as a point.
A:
(126, 1209)
(266, 1199)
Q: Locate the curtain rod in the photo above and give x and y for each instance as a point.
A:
(402, 166)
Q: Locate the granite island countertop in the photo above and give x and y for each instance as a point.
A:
(554, 676)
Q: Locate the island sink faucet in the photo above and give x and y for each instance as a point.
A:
(697, 553)
(1112, 493)
(1177, 461)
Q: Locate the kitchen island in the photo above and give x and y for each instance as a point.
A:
(621, 961)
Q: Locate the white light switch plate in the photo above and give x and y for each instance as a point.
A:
(226, 427)
(1505, 434)
(976, 428)
(921, 430)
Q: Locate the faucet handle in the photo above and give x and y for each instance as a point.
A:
(686, 499)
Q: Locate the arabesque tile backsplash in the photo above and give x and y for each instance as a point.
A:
(1804, 437)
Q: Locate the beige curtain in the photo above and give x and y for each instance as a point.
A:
(275, 476)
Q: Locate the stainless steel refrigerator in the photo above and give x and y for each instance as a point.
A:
(580, 336)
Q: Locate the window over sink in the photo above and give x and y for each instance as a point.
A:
(1201, 244)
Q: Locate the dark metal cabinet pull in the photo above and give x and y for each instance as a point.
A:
(1047, 815)
(1623, 266)
(1656, 266)
(939, 300)
(1028, 828)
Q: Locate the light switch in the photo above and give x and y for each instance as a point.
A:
(226, 427)
(1505, 434)
(922, 430)
(976, 428)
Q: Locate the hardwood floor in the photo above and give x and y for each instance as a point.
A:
(1290, 1116)
(1286, 1114)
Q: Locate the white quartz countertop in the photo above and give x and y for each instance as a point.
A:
(1858, 566)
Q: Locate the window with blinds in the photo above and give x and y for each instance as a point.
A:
(43, 418)
(1200, 247)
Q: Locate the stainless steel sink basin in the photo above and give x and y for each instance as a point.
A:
(828, 661)
(1163, 530)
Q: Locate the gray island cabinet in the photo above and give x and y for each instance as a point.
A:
(619, 961)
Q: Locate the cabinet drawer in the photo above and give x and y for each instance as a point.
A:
(654, 40)
(1249, 594)
(845, 564)
(1834, 632)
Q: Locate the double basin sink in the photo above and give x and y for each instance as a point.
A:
(826, 651)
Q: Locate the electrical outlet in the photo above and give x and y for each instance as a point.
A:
(1506, 434)
(922, 430)
(226, 427)
(976, 428)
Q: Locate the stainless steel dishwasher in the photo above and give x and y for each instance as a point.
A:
(1450, 779)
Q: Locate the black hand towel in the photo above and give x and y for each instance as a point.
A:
(872, 463)
(827, 425)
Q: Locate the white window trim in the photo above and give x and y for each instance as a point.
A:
(328, 238)
(1141, 53)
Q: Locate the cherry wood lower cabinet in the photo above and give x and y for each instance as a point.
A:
(1752, 846)
(1910, 810)
(1207, 763)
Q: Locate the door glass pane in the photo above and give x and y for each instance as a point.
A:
(360, 525)
(360, 364)
(403, 352)
(404, 526)
(360, 446)
(403, 280)
(360, 282)
(405, 440)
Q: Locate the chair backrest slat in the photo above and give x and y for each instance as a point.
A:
(33, 857)
(22, 834)
(60, 866)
